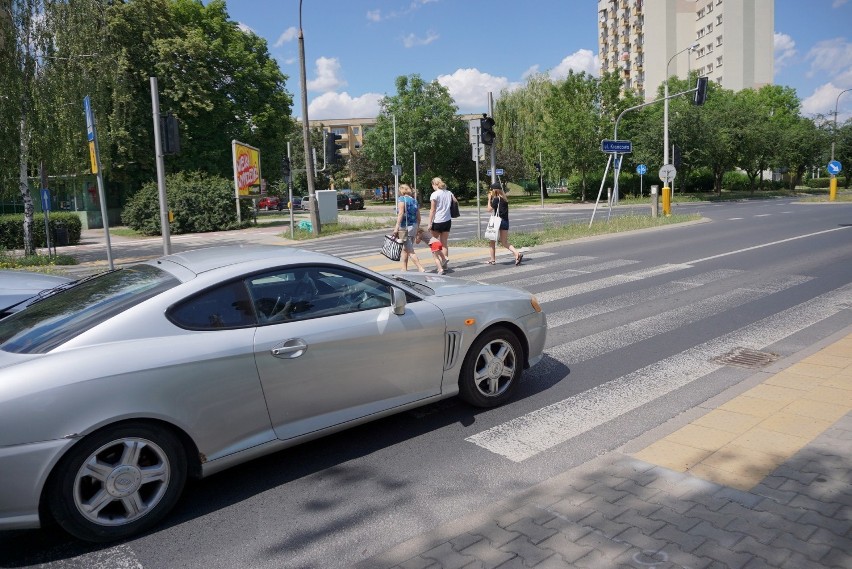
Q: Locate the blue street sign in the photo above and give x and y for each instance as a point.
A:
(641, 169)
(617, 146)
(834, 167)
(499, 171)
(45, 199)
(90, 119)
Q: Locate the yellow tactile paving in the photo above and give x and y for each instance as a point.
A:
(746, 438)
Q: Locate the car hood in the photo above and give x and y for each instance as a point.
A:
(447, 286)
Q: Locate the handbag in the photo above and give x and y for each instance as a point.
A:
(492, 230)
(454, 208)
(391, 248)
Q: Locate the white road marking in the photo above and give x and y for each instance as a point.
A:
(595, 345)
(545, 428)
(607, 282)
(118, 557)
(769, 244)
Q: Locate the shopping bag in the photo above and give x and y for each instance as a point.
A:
(391, 248)
(492, 230)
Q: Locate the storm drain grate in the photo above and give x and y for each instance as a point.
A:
(747, 358)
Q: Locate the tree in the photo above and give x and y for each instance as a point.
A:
(520, 118)
(802, 147)
(426, 123)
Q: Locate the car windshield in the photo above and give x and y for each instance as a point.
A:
(61, 316)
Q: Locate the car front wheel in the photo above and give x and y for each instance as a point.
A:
(118, 482)
(491, 369)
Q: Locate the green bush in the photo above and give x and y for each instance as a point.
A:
(819, 182)
(12, 229)
(736, 182)
(198, 201)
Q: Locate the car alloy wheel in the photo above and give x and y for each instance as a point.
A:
(491, 369)
(118, 482)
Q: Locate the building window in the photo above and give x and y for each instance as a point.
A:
(709, 7)
(719, 61)
(341, 130)
(710, 47)
(718, 41)
(356, 130)
(719, 80)
(709, 68)
(700, 14)
(719, 20)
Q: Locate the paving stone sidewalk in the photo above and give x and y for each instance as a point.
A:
(623, 512)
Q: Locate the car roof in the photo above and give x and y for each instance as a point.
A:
(211, 258)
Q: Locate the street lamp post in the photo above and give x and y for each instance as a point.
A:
(306, 135)
(832, 187)
(834, 134)
(667, 190)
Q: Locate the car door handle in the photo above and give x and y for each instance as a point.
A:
(290, 349)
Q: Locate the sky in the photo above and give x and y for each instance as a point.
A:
(355, 49)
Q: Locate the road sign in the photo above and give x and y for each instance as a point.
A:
(499, 171)
(834, 167)
(473, 152)
(641, 169)
(90, 119)
(619, 146)
(668, 173)
(473, 131)
(45, 199)
(396, 169)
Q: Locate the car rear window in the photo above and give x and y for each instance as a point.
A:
(59, 317)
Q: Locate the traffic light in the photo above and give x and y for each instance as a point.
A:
(169, 134)
(676, 158)
(701, 91)
(538, 167)
(332, 152)
(486, 130)
(285, 168)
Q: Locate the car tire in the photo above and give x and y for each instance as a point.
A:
(492, 368)
(109, 468)
(346, 207)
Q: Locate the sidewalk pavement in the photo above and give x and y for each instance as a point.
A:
(759, 476)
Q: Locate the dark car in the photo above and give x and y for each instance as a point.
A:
(349, 201)
(297, 203)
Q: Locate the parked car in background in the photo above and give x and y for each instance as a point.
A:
(118, 388)
(268, 203)
(297, 204)
(349, 201)
(18, 289)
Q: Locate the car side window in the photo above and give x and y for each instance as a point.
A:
(226, 306)
(299, 293)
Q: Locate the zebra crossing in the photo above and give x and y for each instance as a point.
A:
(602, 326)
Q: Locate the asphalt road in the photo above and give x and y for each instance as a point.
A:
(636, 322)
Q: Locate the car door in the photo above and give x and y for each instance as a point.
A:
(330, 349)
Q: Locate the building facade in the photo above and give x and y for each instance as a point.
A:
(641, 40)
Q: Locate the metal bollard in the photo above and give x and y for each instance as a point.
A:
(655, 203)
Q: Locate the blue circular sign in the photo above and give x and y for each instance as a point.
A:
(834, 167)
(641, 169)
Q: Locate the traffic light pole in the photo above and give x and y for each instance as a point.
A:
(540, 180)
(289, 180)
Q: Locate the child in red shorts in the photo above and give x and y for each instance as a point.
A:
(436, 248)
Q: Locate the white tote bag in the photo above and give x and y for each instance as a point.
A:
(492, 230)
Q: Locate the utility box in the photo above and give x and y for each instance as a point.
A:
(327, 204)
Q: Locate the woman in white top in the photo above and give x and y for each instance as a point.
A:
(440, 219)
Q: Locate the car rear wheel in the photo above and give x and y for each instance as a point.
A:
(491, 368)
(118, 482)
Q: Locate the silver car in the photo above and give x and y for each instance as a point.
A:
(115, 390)
(19, 288)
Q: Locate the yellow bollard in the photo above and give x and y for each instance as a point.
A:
(832, 189)
(667, 200)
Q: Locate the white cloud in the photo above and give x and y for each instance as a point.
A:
(245, 28)
(327, 75)
(289, 35)
(838, 3)
(822, 102)
(470, 87)
(832, 57)
(533, 70)
(580, 60)
(785, 49)
(412, 41)
(342, 106)
(374, 15)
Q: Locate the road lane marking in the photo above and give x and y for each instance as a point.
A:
(768, 244)
(543, 429)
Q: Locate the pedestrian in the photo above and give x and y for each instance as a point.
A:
(440, 219)
(407, 226)
(435, 247)
(499, 202)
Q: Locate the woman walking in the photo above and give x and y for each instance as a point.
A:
(497, 201)
(408, 226)
(440, 219)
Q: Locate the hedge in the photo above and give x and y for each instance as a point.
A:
(12, 229)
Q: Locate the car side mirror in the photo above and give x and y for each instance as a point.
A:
(398, 300)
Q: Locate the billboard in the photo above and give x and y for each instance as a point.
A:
(246, 169)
